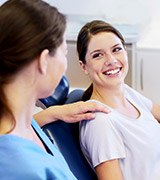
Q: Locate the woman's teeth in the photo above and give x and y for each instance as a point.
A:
(111, 72)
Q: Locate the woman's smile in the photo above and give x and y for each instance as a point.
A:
(113, 72)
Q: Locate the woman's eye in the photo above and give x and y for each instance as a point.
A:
(97, 55)
(117, 49)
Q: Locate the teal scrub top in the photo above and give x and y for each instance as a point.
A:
(22, 159)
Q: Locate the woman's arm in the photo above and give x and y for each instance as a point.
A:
(70, 113)
(156, 111)
(109, 170)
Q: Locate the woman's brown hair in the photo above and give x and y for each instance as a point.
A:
(27, 27)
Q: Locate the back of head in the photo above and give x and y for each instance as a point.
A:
(87, 31)
(27, 27)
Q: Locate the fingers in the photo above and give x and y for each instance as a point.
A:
(78, 111)
(80, 117)
(93, 106)
(87, 116)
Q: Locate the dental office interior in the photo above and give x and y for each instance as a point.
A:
(137, 20)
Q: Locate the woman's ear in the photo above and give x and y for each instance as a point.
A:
(43, 61)
(83, 66)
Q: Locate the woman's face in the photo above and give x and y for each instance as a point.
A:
(106, 60)
(57, 66)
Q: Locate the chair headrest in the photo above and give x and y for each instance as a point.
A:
(59, 96)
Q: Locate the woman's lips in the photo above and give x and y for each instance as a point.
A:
(112, 71)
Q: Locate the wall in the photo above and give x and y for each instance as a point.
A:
(123, 11)
(137, 11)
(143, 13)
(2, 1)
(150, 37)
(146, 13)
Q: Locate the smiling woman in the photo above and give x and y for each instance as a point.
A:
(113, 142)
(105, 59)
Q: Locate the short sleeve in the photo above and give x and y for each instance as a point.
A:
(100, 140)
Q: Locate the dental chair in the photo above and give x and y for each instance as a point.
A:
(66, 135)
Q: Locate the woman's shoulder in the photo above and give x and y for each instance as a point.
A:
(17, 148)
(23, 159)
(102, 120)
(17, 158)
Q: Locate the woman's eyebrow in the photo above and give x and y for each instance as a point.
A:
(116, 45)
(97, 50)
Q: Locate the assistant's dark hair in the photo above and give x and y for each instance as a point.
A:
(27, 27)
(88, 30)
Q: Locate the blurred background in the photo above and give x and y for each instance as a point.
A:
(137, 20)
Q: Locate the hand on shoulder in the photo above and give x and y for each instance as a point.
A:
(80, 110)
(70, 113)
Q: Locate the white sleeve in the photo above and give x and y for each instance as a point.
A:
(100, 140)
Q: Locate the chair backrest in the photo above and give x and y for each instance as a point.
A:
(66, 136)
(59, 96)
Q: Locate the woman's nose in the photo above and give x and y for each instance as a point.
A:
(110, 59)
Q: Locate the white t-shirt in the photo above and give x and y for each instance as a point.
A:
(135, 142)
